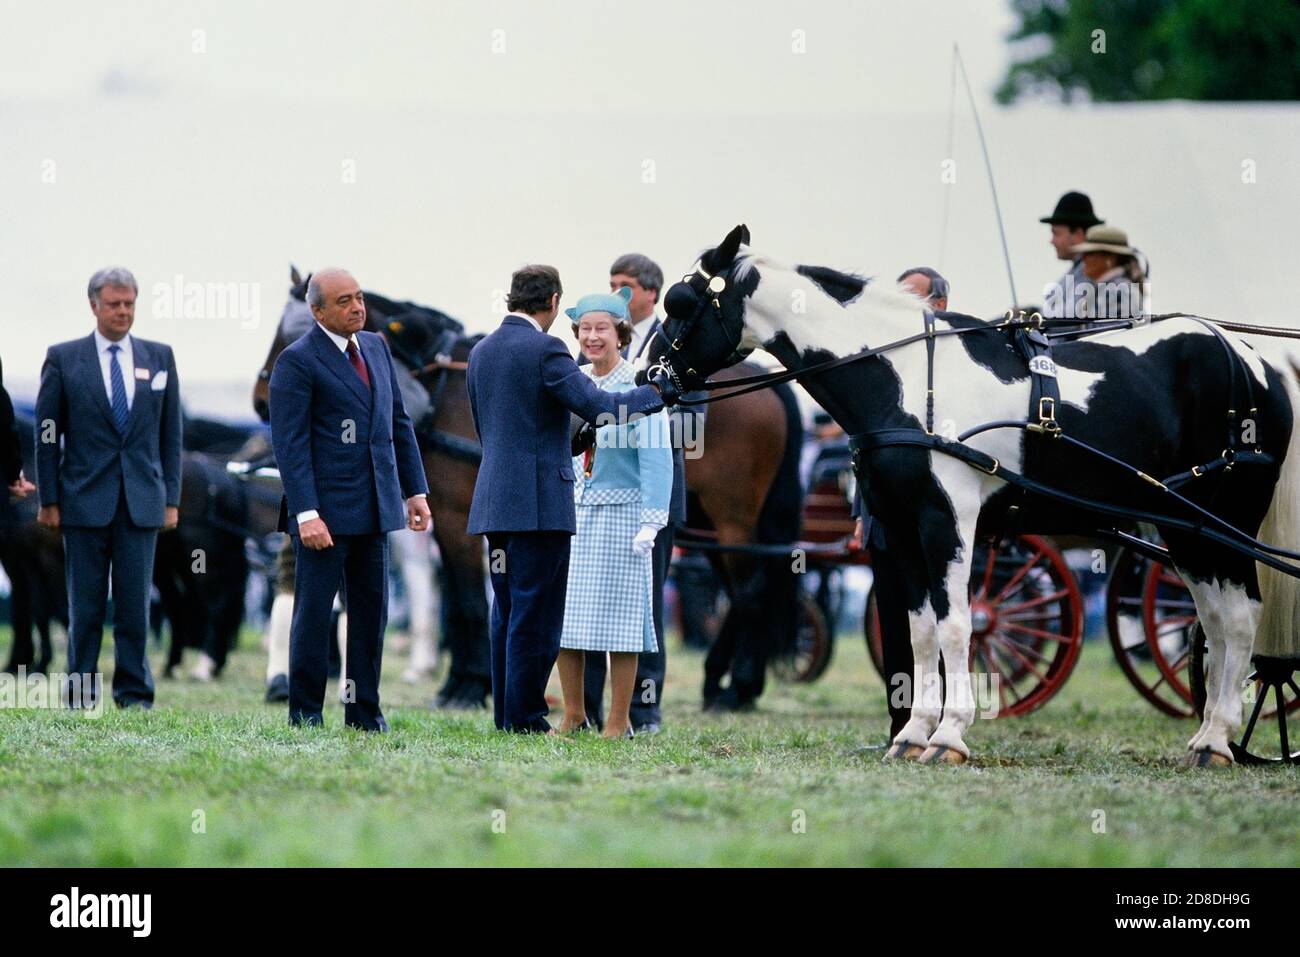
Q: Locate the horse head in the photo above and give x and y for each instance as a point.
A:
(295, 322)
(705, 328)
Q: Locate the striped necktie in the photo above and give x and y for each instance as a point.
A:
(354, 357)
(120, 409)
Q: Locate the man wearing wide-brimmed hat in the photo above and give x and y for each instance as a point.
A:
(1069, 222)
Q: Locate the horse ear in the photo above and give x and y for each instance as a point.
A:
(725, 254)
(294, 278)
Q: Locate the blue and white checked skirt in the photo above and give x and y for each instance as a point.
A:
(607, 607)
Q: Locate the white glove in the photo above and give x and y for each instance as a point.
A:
(644, 541)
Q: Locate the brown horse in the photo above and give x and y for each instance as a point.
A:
(745, 487)
(429, 345)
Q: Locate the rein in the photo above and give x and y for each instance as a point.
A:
(1035, 321)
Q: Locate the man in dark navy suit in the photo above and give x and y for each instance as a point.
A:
(348, 459)
(108, 472)
(522, 386)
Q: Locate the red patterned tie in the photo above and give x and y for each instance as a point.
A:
(354, 356)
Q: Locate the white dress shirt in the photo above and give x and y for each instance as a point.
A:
(342, 343)
(527, 318)
(639, 331)
(124, 359)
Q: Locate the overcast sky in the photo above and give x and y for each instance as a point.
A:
(433, 148)
(596, 56)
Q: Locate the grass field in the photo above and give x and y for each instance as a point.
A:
(132, 788)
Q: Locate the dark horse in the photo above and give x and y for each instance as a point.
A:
(32, 556)
(200, 567)
(745, 487)
(1136, 403)
(430, 346)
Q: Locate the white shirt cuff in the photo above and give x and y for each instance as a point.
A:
(308, 515)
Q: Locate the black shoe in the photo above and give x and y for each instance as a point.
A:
(306, 721)
(277, 689)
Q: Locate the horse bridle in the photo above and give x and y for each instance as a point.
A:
(714, 286)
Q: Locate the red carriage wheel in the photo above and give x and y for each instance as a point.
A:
(1026, 622)
(1148, 614)
(812, 650)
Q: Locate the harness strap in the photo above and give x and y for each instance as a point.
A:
(928, 318)
(1229, 536)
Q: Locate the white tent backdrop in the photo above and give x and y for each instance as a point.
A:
(831, 158)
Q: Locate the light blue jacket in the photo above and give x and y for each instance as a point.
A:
(632, 461)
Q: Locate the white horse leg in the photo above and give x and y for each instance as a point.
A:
(1239, 615)
(416, 565)
(278, 628)
(926, 704)
(345, 693)
(1210, 614)
(946, 745)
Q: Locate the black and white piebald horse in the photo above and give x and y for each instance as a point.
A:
(1175, 398)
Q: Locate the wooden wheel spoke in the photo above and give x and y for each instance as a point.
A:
(1042, 619)
(1039, 633)
(1020, 573)
(988, 571)
(1010, 646)
(1033, 602)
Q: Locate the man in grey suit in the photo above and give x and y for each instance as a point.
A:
(108, 473)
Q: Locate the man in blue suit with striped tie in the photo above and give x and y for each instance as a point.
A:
(108, 473)
(348, 459)
(523, 384)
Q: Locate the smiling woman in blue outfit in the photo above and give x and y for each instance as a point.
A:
(621, 496)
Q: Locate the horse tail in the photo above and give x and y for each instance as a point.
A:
(780, 521)
(1278, 634)
(780, 518)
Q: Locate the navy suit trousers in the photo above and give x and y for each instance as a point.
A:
(359, 565)
(123, 552)
(530, 573)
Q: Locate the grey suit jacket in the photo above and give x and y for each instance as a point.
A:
(82, 462)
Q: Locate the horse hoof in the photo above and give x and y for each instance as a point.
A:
(1205, 758)
(942, 754)
(903, 752)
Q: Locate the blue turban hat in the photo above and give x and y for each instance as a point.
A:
(614, 303)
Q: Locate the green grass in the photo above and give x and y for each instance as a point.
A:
(127, 789)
